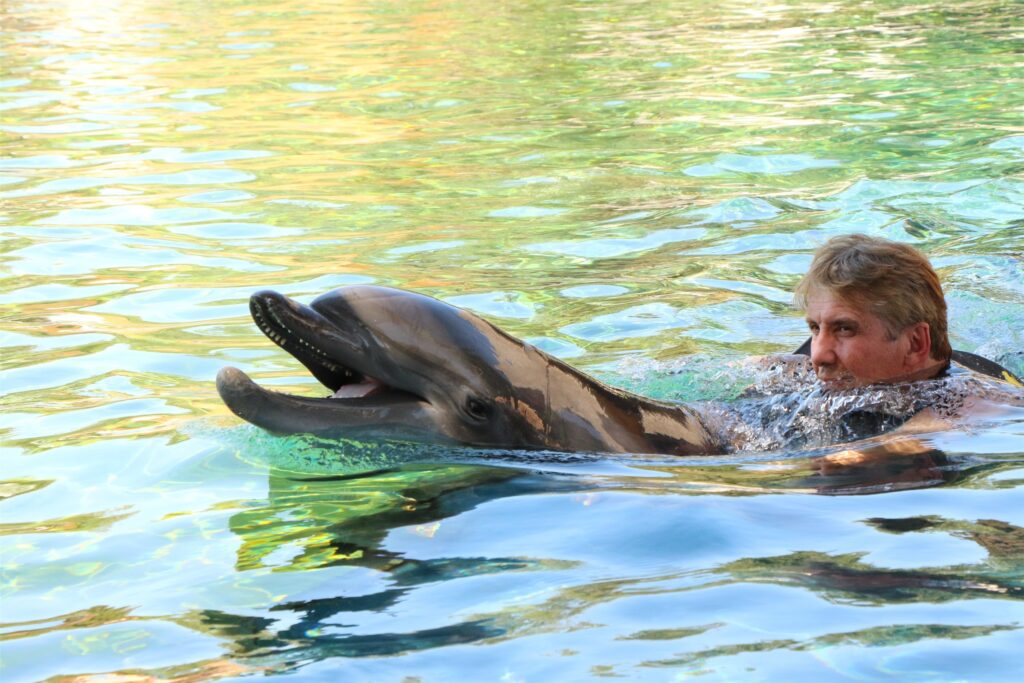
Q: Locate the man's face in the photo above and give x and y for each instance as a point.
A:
(850, 346)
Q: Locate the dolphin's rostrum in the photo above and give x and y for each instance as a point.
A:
(405, 366)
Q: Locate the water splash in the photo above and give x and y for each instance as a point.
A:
(786, 407)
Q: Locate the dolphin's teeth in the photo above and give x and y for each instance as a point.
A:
(269, 322)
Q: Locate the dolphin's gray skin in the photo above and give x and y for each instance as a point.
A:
(404, 366)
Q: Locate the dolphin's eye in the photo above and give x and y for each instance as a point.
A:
(478, 408)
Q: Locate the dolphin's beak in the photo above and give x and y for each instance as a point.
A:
(358, 403)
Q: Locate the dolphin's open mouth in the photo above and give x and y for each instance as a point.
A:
(337, 357)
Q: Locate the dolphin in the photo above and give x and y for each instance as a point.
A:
(405, 366)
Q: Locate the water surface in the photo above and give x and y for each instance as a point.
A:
(634, 187)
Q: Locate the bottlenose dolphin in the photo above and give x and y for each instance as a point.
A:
(405, 366)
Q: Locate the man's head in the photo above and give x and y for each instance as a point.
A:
(876, 312)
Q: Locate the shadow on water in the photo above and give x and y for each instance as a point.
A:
(344, 520)
(321, 520)
(313, 518)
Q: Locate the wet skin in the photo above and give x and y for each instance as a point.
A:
(404, 366)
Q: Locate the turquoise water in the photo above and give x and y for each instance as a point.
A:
(634, 187)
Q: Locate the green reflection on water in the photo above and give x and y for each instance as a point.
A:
(344, 520)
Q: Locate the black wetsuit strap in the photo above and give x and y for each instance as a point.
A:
(969, 360)
(986, 367)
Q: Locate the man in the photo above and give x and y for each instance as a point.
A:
(876, 313)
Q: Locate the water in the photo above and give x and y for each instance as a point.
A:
(636, 188)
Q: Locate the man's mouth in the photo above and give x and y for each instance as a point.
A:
(835, 379)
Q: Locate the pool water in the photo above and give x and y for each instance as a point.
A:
(633, 187)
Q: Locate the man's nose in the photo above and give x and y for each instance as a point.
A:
(823, 349)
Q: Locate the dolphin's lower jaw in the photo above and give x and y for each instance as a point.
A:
(390, 413)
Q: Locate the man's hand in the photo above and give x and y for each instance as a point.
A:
(903, 461)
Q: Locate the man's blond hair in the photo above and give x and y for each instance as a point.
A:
(892, 280)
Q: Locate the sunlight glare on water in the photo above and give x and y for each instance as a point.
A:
(634, 187)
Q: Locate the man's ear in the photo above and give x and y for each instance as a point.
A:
(920, 349)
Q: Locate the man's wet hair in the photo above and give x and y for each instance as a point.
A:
(894, 281)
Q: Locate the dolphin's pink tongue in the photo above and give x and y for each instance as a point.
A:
(368, 387)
